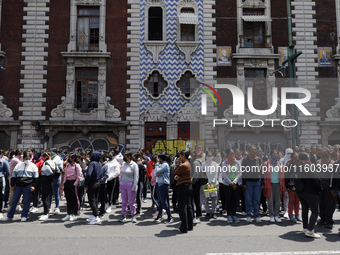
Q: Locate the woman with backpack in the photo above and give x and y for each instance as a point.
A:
(48, 170)
(72, 177)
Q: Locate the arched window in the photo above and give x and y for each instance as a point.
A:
(155, 84)
(155, 26)
(187, 84)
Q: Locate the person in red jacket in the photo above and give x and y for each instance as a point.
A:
(274, 185)
(149, 170)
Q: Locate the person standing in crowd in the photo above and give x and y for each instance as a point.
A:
(285, 196)
(48, 170)
(184, 188)
(154, 187)
(38, 161)
(162, 172)
(24, 178)
(263, 202)
(4, 173)
(81, 160)
(252, 183)
(55, 192)
(14, 161)
(174, 199)
(327, 200)
(92, 185)
(232, 181)
(113, 170)
(138, 158)
(149, 170)
(308, 192)
(71, 179)
(199, 179)
(274, 185)
(218, 160)
(312, 155)
(128, 186)
(294, 202)
(210, 167)
(103, 189)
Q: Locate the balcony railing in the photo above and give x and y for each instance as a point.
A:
(248, 42)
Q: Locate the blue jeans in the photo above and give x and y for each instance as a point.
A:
(253, 197)
(18, 191)
(55, 191)
(162, 193)
(6, 195)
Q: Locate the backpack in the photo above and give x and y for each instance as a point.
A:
(52, 168)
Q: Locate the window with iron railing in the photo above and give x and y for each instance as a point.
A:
(87, 89)
(88, 29)
(155, 84)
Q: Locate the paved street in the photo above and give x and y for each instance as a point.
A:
(111, 237)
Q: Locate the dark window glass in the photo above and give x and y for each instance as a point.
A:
(155, 84)
(88, 29)
(256, 78)
(155, 24)
(87, 89)
(187, 84)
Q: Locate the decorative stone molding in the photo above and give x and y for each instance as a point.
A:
(253, 3)
(334, 112)
(5, 113)
(67, 109)
(188, 113)
(155, 113)
(155, 3)
(147, 77)
(59, 112)
(187, 4)
(187, 48)
(179, 78)
(155, 48)
(81, 2)
(256, 62)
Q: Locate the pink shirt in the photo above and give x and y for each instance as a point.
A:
(72, 173)
(14, 161)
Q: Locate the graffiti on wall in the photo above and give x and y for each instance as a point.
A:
(172, 146)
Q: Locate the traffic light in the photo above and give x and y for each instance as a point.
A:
(36, 125)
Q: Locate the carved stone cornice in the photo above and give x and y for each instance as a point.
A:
(155, 48)
(155, 113)
(253, 4)
(188, 113)
(187, 48)
(334, 112)
(88, 2)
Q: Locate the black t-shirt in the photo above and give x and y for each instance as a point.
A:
(251, 169)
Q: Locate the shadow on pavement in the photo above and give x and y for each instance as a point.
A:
(296, 236)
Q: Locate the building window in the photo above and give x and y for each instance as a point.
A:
(256, 78)
(188, 130)
(88, 29)
(87, 89)
(187, 84)
(253, 32)
(155, 24)
(155, 84)
(188, 26)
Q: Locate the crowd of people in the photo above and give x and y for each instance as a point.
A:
(231, 182)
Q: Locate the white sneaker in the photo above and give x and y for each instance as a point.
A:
(277, 219)
(7, 219)
(34, 210)
(304, 230)
(113, 206)
(258, 220)
(43, 217)
(312, 234)
(108, 210)
(285, 215)
(203, 208)
(18, 208)
(95, 220)
(73, 218)
(90, 219)
(145, 201)
(243, 213)
(194, 221)
(56, 211)
(249, 219)
(272, 219)
(134, 220)
(23, 219)
(1, 216)
(198, 220)
(50, 211)
(66, 218)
